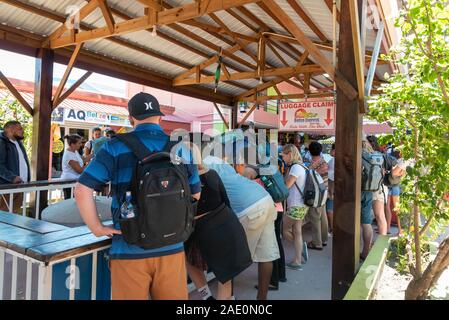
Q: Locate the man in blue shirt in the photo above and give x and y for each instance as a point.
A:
(255, 209)
(136, 273)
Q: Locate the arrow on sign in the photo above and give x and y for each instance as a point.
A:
(284, 119)
(328, 120)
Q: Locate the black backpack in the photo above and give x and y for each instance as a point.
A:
(161, 197)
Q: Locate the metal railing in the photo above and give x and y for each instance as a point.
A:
(32, 204)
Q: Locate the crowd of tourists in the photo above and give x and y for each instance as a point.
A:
(180, 209)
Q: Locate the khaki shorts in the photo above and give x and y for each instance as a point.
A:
(161, 278)
(258, 224)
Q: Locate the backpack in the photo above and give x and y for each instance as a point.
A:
(273, 182)
(97, 144)
(372, 171)
(315, 190)
(161, 197)
(389, 179)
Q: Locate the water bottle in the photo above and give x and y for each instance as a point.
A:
(127, 208)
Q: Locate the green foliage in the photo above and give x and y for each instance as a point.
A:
(11, 109)
(416, 103)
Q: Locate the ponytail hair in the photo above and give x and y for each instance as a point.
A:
(72, 139)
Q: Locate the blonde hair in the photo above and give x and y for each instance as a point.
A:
(291, 148)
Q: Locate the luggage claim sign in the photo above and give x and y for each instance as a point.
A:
(307, 115)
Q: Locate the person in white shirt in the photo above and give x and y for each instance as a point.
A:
(296, 210)
(88, 147)
(14, 164)
(73, 164)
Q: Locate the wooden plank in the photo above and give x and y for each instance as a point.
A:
(295, 6)
(110, 22)
(261, 99)
(221, 115)
(67, 72)
(83, 13)
(68, 247)
(277, 90)
(313, 50)
(346, 232)
(253, 74)
(276, 53)
(16, 93)
(306, 82)
(247, 115)
(153, 4)
(74, 86)
(359, 61)
(243, 21)
(372, 68)
(30, 224)
(168, 16)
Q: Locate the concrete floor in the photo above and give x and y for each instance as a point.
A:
(312, 283)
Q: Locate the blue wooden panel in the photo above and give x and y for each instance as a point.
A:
(60, 281)
(84, 285)
(103, 276)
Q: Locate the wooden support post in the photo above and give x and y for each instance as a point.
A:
(234, 115)
(346, 229)
(42, 119)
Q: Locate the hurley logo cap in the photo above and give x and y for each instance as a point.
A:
(144, 105)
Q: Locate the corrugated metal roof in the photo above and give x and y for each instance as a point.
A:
(317, 11)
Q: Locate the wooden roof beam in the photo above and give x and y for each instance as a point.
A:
(300, 12)
(67, 72)
(16, 93)
(74, 86)
(107, 14)
(261, 99)
(177, 14)
(313, 50)
(252, 74)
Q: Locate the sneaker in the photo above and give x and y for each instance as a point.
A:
(305, 252)
(294, 266)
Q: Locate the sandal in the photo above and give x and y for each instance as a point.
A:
(311, 246)
(270, 287)
(294, 266)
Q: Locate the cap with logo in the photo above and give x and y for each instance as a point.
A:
(144, 105)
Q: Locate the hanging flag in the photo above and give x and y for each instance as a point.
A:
(218, 70)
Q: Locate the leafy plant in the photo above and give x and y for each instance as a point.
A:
(415, 102)
(11, 109)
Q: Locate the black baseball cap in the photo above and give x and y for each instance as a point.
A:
(144, 105)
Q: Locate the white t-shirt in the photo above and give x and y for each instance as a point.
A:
(295, 199)
(67, 171)
(331, 166)
(23, 168)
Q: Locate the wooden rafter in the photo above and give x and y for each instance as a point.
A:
(177, 14)
(252, 74)
(247, 116)
(300, 11)
(221, 115)
(243, 21)
(27, 43)
(67, 72)
(276, 53)
(313, 50)
(83, 13)
(16, 93)
(277, 90)
(153, 4)
(211, 45)
(238, 41)
(107, 14)
(70, 90)
(307, 83)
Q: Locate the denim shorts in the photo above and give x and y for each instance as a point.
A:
(367, 215)
(395, 191)
(329, 205)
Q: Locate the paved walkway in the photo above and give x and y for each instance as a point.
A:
(312, 283)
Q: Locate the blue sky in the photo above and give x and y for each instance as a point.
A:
(21, 67)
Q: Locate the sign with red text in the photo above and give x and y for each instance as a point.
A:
(310, 115)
